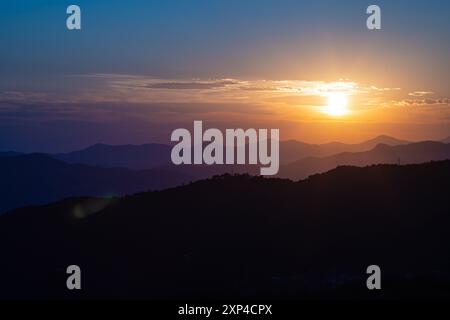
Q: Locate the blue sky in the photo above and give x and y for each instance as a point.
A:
(248, 40)
(208, 38)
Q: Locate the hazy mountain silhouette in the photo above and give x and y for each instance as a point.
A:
(149, 156)
(241, 236)
(406, 154)
(137, 157)
(38, 179)
(292, 150)
(446, 140)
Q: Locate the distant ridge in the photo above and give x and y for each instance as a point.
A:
(418, 152)
(38, 178)
(152, 155)
(137, 157)
(383, 139)
(293, 150)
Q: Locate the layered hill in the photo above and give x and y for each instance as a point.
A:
(38, 179)
(401, 154)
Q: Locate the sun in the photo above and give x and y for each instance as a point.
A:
(337, 104)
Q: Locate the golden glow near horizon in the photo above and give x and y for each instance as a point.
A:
(306, 105)
(337, 104)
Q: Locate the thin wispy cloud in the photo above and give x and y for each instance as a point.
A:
(140, 88)
(420, 93)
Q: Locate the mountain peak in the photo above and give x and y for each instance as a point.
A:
(385, 139)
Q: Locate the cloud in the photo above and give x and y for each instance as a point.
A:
(421, 102)
(374, 88)
(227, 90)
(192, 85)
(420, 93)
(95, 88)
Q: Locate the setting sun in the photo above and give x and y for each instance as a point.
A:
(337, 104)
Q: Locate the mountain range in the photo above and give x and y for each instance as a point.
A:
(293, 150)
(149, 156)
(137, 157)
(119, 170)
(401, 154)
(38, 179)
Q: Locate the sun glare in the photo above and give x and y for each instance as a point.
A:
(337, 104)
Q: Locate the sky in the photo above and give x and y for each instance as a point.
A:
(137, 70)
